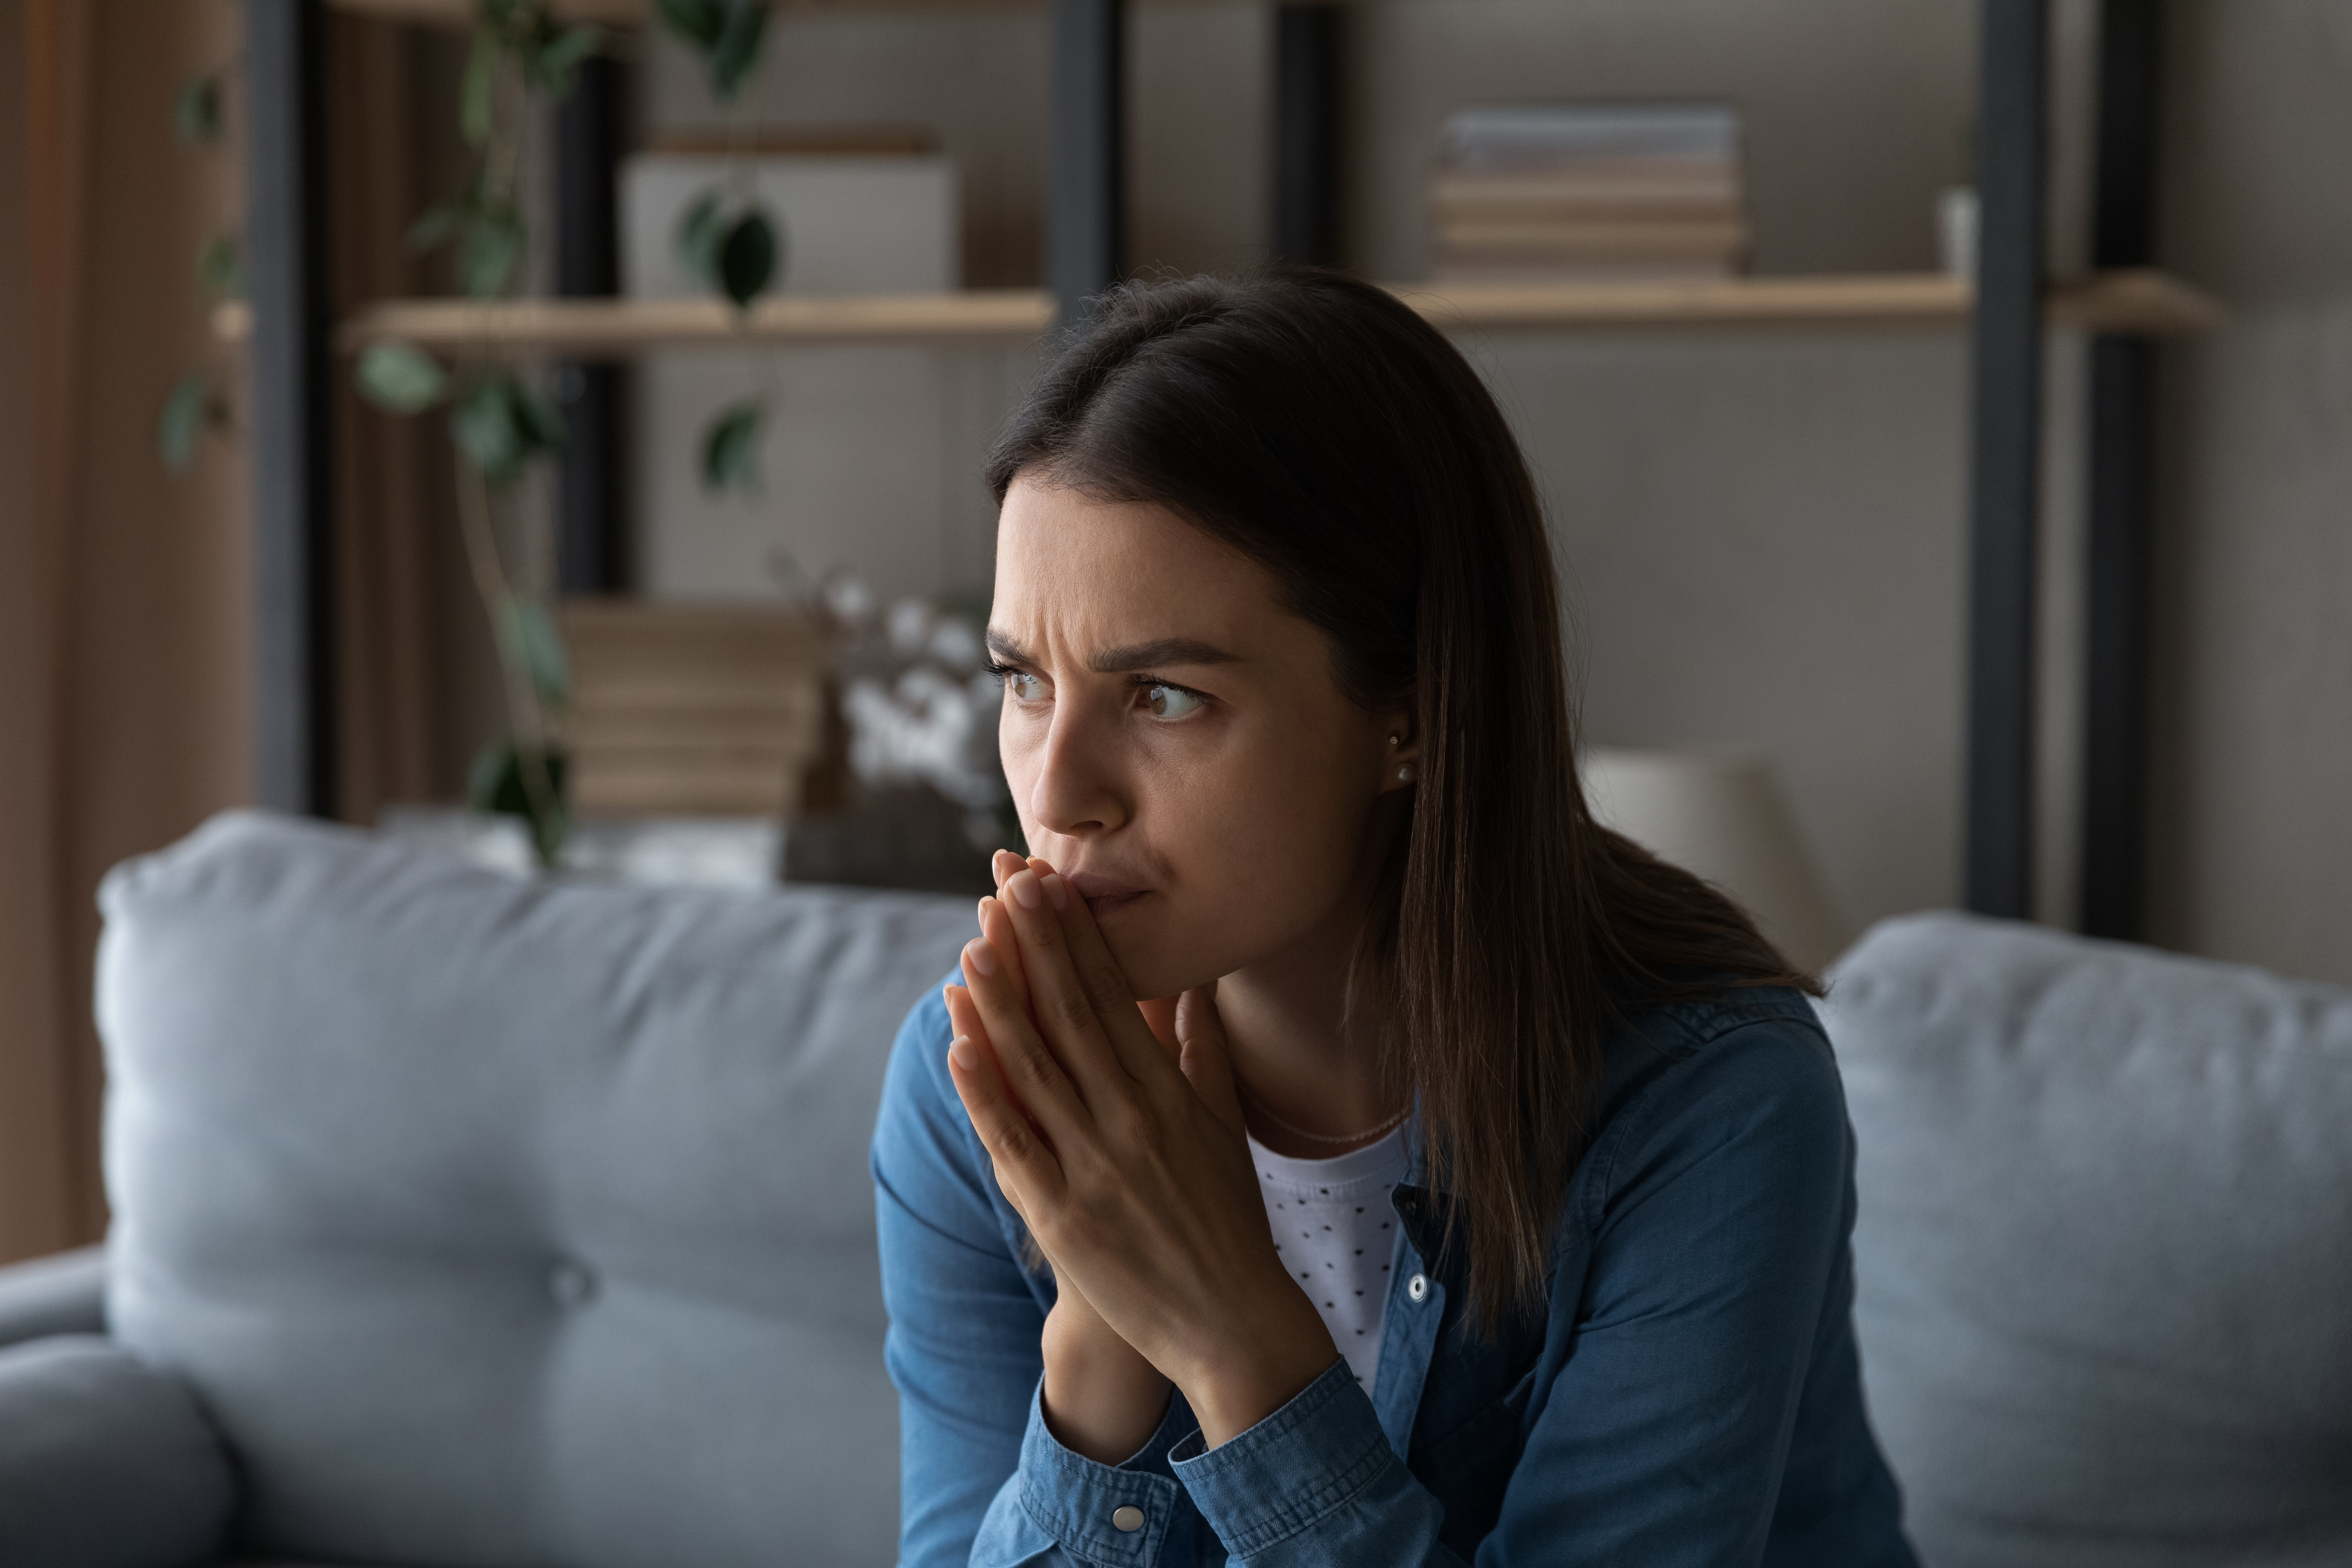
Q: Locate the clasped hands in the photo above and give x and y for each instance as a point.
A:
(1116, 1134)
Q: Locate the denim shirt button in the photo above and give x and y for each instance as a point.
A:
(1128, 1519)
(1417, 1287)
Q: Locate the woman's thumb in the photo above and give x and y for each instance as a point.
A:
(1201, 1052)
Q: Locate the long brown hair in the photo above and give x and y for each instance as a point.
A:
(1325, 431)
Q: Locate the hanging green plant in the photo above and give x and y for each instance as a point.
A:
(220, 268)
(401, 378)
(196, 117)
(728, 241)
(485, 222)
(728, 34)
(524, 33)
(501, 425)
(193, 406)
(198, 401)
(730, 448)
(732, 246)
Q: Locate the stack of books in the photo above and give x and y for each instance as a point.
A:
(689, 709)
(1574, 192)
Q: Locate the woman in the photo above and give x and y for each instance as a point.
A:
(1337, 1149)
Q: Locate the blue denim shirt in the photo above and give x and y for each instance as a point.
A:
(1692, 1396)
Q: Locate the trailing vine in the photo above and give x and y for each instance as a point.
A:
(728, 240)
(499, 423)
(198, 403)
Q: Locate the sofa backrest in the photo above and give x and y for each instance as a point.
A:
(507, 1223)
(2103, 1260)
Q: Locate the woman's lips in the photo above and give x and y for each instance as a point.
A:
(1103, 894)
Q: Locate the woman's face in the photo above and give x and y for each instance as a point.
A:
(1176, 742)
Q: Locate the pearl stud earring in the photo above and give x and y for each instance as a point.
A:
(1404, 774)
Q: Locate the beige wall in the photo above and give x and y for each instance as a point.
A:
(2254, 711)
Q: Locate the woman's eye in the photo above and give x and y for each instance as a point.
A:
(1169, 701)
(1024, 687)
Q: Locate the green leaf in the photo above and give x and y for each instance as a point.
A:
(529, 637)
(697, 21)
(482, 423)
(496, 784)
(730, 448)
(435, 226)
(478, 97)
(401, 378)
(186, 412)
(747, 257)
(699, 231)
(541, 425)
(736, 52)
(555, 63)
(196, 113)
(220, 268)
(500, 427)
(487, 251)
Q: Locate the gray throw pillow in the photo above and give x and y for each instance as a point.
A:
(2104, 1257)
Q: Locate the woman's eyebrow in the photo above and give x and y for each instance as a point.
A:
(1153, 655)
(1131, 656)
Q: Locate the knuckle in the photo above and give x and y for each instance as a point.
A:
(1014, 1141)
(1131, 1124)
(1099, 973)
(1031, 1062)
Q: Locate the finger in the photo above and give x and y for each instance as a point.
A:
(1160, 1014)
(996, 929)
(1025, 1166)
(1099, 972)
(1202, 1052)
(1089, 1035)
(1036, 1078)
(1002, 864)
(965, 1021)
(1101, 977)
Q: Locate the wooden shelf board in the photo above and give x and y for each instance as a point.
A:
(2132, 301)
(2139, 302)
(634, 13)
(622, 325)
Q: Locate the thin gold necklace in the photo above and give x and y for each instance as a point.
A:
(1369, 1133)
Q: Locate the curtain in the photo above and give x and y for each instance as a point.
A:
(125, 714)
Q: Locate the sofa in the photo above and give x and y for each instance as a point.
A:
(464, 1221)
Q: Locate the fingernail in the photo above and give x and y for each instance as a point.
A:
(1025, 888)
(984, 914)
(979, 956)
(1058, 890)
(962, 1049)
(996, 866)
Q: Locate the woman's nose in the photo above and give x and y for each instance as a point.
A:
(1077, 790)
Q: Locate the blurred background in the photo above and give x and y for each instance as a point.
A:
(553, 433)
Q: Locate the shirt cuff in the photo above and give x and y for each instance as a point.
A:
(1288, 1472)
(1078, 1502)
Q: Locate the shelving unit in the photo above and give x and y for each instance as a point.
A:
(2127, 305)
(2138, 301)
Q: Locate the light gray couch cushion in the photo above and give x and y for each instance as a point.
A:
(61, 1294)
(2104, 1262)
(103, 1463)
(504, 1223)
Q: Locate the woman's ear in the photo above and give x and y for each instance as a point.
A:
(1401, 763)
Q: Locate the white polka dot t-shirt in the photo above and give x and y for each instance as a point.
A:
(1334, 1228)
